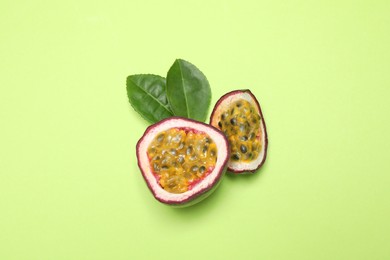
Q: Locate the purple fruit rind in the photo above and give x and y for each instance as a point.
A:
(201, 194)
(237, 92)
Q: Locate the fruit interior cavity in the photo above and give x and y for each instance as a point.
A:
(240, 122)
(181, 157)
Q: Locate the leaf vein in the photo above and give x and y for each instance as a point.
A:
(153, 97)
(185, 94)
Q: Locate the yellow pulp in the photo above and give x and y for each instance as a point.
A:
(181, 157)
(241, 124)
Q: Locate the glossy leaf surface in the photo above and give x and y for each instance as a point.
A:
(147, 95)
(188, 91)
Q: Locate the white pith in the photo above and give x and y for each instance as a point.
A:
(144, 162)
(224, 105)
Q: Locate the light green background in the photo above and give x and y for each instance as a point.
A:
(69, 184)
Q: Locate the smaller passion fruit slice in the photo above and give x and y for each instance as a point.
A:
(238, 115)
(181, 160)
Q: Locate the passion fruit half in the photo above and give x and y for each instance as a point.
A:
(238, 115)
(182, 160)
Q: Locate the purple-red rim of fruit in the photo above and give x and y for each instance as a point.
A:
(202, 189)
(222, 103)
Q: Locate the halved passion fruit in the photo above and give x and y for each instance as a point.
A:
(239, 116)
(182, 160)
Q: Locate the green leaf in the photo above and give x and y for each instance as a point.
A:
(147, 95)
(188, 91)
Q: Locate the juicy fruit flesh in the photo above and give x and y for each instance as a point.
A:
(241, 124)
(180, 158)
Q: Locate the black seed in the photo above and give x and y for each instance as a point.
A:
(243, 138)
(160, 138)
(232, 112)
(207, 140)
(164, 167)
(235, 157)
(220, 124)
(251, 136)
(254, 120)
(233, 121)
(223, 116)
(243, 148)
(156, 158)
(180, 159)
(173, 151)
(189, 150)
(205, 148)
(155, 167)
(181, 145)
(238, 104)
(249, 156)
(194, 168)
(212, 153)
(177, 138)
(242, 128)
(202, 169)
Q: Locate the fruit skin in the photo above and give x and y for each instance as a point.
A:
(214, 117)
(217, 173)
